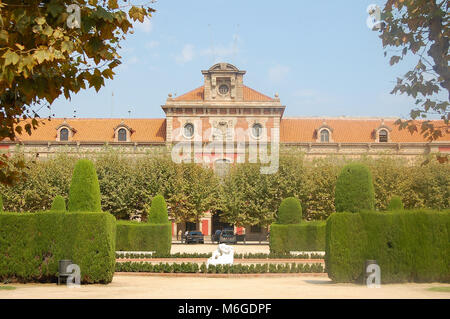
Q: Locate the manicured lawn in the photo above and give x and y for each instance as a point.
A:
(440, 289)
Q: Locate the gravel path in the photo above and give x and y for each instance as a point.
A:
(132, 286)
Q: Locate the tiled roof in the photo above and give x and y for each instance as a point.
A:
(345, 130)
(292, 130)
(194, 95)
(100, 130)
(250, 95)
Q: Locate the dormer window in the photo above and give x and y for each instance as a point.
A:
(122, 133)
(324, 136)
(383, 136)
(382, 133)
(64, 134)
(324, 133)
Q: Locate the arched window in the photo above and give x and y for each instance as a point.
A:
(64, 134)
(257, 130)
(122, 135)
(324, 136)
(383, 136)
(188, 130)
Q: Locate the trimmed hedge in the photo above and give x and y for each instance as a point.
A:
(84, 193)
(126, 255)
(58, 204)
(354, 189)
(409, 246)
(135, 236)
(219, 269)
(158, 211)
(307, 236)
(31, 244)
(290, 211)
(395, 203)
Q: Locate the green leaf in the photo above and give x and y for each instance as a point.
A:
(40, 20)
(11, 57)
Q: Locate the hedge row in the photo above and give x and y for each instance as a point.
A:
(409, 246)
(31, 244)
(307, 236)
(136, 236)
(207, 255)
(218, 269)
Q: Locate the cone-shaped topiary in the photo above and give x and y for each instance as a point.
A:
(84, 193)
(354, 189)
(395, 203)
(290, 211)
(58, 204)
(158, 211)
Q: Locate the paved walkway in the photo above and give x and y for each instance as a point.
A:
(132, 286)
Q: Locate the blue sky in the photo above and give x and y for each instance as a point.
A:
(320, 57)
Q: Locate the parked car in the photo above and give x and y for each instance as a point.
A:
(227, 236)
(216, 236)
(195, 237)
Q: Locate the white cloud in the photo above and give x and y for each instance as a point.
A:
(127, 62)
(152, 44)
(146, 26)
(312, 97)
(278, 73)
(223, 52)
(187, 54)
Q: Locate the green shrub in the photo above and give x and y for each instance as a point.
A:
(409, 246)
(395, 203)
(158, 211)
(31, 244)
(290, 211)
(59, 204)
(307, 236)
(84, 193)
(218, 269)
(354, 189)
(135, 236)
(1, 203)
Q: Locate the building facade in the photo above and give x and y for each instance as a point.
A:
(218, 123)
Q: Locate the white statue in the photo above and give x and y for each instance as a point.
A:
(224, 255)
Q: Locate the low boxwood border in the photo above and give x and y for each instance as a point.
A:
(219, 269)
(207, 255)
